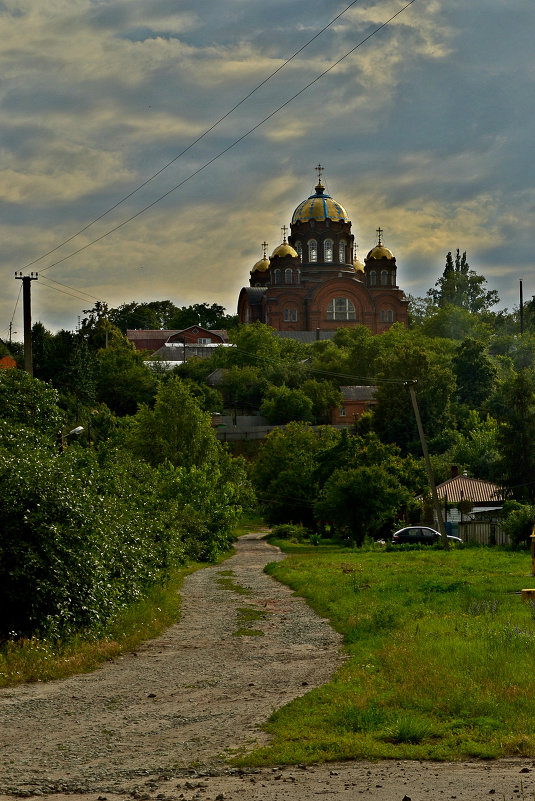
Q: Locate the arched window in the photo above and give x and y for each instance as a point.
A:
(288, 276)
(341, 309)
(299, 248)
(342, 251)
(290, 315)
(390, 316)
(277, 276)
(384, 277)
(328, 250)
(312, 250)
(373, 278)
(383, 316)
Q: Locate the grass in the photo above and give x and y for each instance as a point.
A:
(440, 657)
(37, 659)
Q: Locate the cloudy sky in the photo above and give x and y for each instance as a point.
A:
(426, 129)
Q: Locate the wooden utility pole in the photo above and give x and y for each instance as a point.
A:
(521, 309)
(436, 504)
(27, 315)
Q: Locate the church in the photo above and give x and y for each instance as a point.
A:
(313, 280)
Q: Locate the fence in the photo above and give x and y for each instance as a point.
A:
(484, 533)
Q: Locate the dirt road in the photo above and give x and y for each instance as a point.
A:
(157, 724)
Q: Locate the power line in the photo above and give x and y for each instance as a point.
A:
(195, 141)
(229, 147)
(63, 291)
(80, 291)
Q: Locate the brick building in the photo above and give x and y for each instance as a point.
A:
(313, 281)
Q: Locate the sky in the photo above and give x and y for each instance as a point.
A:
(426, 129)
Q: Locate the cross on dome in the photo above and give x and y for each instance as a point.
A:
(379, 232)
(284, 230)
(265, 246)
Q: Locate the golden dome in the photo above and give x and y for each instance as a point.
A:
(380, 252)
(284, 250)
(261, 266)
(319, 207)
(358, 265)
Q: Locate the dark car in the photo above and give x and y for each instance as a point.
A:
(420, 535)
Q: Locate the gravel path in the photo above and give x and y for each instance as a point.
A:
(158, 723)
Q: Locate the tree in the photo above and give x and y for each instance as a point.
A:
(283, 474)
(29, 402)
(461, 286)
(516, 438)
(152, 315)
(359, 501)
(282, 404)
(124, 381)
(474, 372)
(176, 430)
(202, 314)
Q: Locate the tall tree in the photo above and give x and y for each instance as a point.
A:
(461, 286)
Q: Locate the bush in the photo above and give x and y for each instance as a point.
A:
(518, 521)
(289, 531)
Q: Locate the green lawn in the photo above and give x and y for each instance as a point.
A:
(441, 656)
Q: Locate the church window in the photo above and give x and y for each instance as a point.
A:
(390, 316)
(299, 248)
(277, 276)
(384, 278)
(288, 277)
(373, 278)
(328, 250)
(312, 250)
(342, 411)
(290, 315)
(383, 316)
(341, 309)
(342, 251)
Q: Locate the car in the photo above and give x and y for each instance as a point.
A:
(420, 535)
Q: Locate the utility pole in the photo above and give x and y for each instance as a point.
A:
(27, 315)
(521, 309)
(436, 504)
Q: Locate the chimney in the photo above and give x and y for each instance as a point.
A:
(454, 471)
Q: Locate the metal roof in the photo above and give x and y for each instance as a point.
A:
(470, 489)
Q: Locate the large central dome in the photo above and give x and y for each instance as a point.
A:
(319, 207)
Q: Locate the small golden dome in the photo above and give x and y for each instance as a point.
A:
(380, 252)
(358, 265)
(261, 266)
(284, 250)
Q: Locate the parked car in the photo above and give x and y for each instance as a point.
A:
(422, 535)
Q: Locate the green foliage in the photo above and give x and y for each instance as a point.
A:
(175, 430)
(461, 286)
(438, 657)
(518, 521)
(201, 314)
(282, 405)
(124, 381)
(29, 402)
(358, 501)
(516, 437)
(474, 372)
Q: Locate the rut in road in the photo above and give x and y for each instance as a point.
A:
(186, 697)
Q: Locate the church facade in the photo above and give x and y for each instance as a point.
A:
(313, 280)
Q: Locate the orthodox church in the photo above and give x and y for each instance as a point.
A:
(313, 280)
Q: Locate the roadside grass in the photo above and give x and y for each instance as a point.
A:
(37, 659)
(440, 657)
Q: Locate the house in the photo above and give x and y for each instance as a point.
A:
(355, 401)
(153, 340)
(479, 496)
